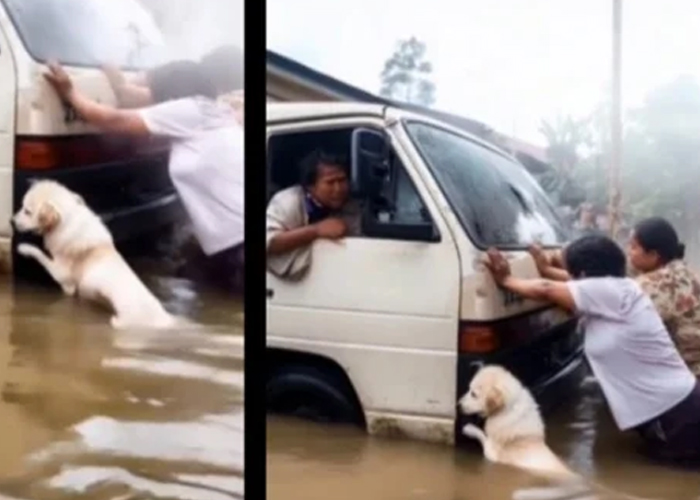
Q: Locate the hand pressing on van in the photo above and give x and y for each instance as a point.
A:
(317, 208)
(548, 265)
(129, 94)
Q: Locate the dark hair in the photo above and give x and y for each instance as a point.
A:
(224, 68)
(656, 234)
(595, 256)
(177, 80)
(311, 163)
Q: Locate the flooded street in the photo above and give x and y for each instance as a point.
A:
(90, 413)
(307, 461)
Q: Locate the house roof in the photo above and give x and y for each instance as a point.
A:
(534, 157)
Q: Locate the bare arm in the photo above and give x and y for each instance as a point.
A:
(541, 289)
(555, 273)
(292, 239)
(557, 259)
(549, 265)
(133, 96)
(331, 228)
(129, 94)
(536, 289)
(105, 117)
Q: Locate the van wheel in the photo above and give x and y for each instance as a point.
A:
(310, 393)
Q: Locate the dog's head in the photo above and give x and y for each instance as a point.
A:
(44, 206)
(490, 391)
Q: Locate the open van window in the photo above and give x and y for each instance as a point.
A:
(396, 211)
(88, 32)
(495, 199)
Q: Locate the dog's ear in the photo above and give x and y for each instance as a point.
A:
(79, 199)
(494, 400)
(47, 217)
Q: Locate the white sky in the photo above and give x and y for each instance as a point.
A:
(508, 63)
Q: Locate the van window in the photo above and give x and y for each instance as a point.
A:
(399, 202)
(88, 32)
(495, 199)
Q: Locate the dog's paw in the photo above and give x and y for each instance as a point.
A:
(27, 250)
(472, 431)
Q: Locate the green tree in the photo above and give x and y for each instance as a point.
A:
(661, 156)
(406, 74)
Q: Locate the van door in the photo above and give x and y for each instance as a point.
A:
(383, 306)
(8, 94)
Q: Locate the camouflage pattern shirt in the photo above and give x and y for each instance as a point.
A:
(675, 291)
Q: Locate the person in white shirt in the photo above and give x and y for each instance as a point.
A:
(646, 383)
(206, 160)
(319, 207)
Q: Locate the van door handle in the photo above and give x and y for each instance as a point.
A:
(270, 293)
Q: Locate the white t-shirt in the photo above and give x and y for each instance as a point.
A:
(206, 166)
(632, 356)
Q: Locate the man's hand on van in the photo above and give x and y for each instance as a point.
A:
(129, 94)
(114, 75)
(60, 80)
(331, 228)
(546, 265)
(498, 265)
(542, 260)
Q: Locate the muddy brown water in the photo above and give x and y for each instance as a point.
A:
(309, 461)
(90, 413)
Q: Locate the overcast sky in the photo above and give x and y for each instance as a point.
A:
(508, 63)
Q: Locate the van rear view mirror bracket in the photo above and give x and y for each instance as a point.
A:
(369, 166)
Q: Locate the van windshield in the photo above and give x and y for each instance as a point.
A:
(495, 199)
(88, 32)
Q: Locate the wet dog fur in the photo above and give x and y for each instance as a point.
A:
(514, 432)
(83, 259)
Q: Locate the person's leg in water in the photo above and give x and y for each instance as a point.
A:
(674, 437)
(227, 269)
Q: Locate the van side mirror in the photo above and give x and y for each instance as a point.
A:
(369, 166)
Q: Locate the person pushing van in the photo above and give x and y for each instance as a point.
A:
(206, 160)
(223, 66)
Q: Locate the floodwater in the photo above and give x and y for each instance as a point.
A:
(308, 461)
(91, 413)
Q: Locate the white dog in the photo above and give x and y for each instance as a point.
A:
(83, 258)
(514, 431)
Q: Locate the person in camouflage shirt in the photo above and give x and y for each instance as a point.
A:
(656, 257)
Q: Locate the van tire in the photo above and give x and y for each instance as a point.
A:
(311, 393)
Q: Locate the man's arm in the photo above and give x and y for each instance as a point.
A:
(286, 241)
(107, 118)
(129, 94)
(555, 273)
(133, 96)
(538, 289)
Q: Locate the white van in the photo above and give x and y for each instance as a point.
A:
(123, 179)
(385, 330)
